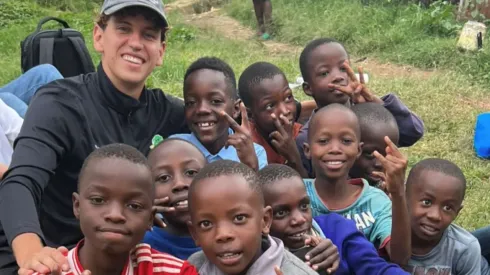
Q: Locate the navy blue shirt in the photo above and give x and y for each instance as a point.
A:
(181, 247)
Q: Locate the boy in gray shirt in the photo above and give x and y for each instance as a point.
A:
(231, 224)
(435, 193)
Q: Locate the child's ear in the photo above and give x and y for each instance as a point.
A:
(192, 231)
(307, 89)
(359, 148)
(306, 150)
(236, 108)
(267, 220)
(75, 197)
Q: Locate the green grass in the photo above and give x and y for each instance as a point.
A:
(448, 103)
(404, 34)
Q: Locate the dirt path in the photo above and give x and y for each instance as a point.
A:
(216, 19)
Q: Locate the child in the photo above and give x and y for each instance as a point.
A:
(263, 13)
(231, 224)
(174, 164)
(333, 147)
(285, 192)
(265, 92)
(435, 193)
(329, 79)
(114, 206)
(211, 104)
(376, 122)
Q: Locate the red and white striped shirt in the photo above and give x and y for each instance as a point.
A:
(143, 260)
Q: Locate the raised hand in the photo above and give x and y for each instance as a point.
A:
(283, 142)
(356, 88)
(282, 139)
(161, 206)
(242, 139)
(395, 165)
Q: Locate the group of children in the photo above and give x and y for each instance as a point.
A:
(251, 191)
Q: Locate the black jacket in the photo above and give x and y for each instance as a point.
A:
(65, 122)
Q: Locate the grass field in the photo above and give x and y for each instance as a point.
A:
(448, 101)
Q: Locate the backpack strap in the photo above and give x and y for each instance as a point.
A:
(79, 44)
(46, 48)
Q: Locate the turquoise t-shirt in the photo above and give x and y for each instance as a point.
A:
(371, 211)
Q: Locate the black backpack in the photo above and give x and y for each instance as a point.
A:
(63, 48)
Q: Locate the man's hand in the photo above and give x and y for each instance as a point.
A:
(324, 255)
(47, 261)
(356, 89)
(278, 270)
(242, 139)
(395, 165)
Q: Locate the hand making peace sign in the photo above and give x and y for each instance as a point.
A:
(395, 165)
(242, 139)
(356, 88)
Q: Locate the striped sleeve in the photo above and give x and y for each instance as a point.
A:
(149, 261)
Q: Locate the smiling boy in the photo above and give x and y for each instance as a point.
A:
(435, 193)
(211, 107)
(70, 118)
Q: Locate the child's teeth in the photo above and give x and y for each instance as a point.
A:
(228, 255)
(335, 162)
(206, 124)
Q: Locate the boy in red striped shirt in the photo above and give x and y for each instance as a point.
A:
(114, 204)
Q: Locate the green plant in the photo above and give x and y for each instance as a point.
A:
(14, 12)
(473, 6)
(438, 19)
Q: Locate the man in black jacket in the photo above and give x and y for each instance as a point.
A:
(70, 118)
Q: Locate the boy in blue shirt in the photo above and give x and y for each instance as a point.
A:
(174, 163)
(292, 222)
(333, 147)
(211, 107)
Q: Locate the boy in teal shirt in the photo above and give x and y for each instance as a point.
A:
(333, 147)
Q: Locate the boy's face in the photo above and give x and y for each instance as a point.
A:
(228, 220)
(114, 204)
(206, 95)
(174, 165)
(291, 212)
(333, 143)
(373, 140)
(433, 203)
(326, 66)
(272, 96)
(130, 48)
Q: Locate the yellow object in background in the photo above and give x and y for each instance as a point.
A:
(469, 38)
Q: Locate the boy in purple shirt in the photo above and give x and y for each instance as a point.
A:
(329, 79)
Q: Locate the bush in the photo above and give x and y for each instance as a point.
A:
(14, 12)
(71, 5)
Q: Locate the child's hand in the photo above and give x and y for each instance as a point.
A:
(356, 89)
(282, 139)
(242, 139)
(278, 270)
(395, 165)
(161, 206)
(325, 255)
(47, 261)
